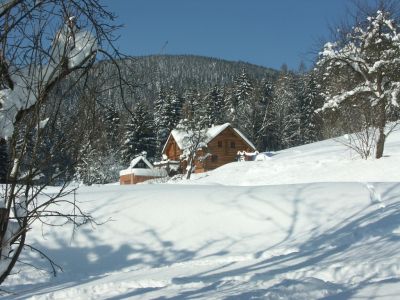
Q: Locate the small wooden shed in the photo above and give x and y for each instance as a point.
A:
(140, 170)
(222, 145)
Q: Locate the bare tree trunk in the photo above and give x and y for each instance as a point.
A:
(190, 166)
(380, 143)
(16, 253)
(3, 228)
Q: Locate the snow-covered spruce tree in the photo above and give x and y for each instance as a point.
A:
(166, 115)
(159, 120)
(283, 113)
(309, 101)
(139, 135)
(67, 38)
(214, 113)
(96, 165)
(362, 68)
(265, 131)
(239, 102)
(176, 102)
(111, 120)
(192, 106)
(87, 169)
(254, 119)
(56, 152)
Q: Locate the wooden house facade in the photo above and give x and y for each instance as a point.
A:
(223, 143)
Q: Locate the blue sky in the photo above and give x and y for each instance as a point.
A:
(263, 32)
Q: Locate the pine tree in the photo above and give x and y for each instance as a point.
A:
(310, 101)
(249, 112)
(243, 88)
(284, 115)
(95, 166)
(239, 102)
(88, 168)
(159, 122)
(175, 112)
(192, 106)
(111, 120)
(254, 117)
(214, 113)
(265, 132)
(167, 113)
(139, 135)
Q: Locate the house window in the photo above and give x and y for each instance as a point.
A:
(219, 144)
(214, 158)
(233, 145)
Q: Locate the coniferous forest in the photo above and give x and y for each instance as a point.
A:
(132, 108)
(275, 109)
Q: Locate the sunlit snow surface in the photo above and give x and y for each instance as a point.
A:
(240, 232)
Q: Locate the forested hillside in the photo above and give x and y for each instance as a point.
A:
(131, 105)
(188, 71)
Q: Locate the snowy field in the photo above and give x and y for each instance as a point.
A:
(310, 222)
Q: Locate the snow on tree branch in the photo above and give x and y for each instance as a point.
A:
(335, 101)
(70, 45)
(363, 68)
(371, 52)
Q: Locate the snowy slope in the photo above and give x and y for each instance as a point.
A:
(226, 238)
(326, 161)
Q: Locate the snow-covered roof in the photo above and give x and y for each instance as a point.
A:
(244, 138)
(215, 130)
(136, 160)
(212, 132)
(151, 171)
(144, 172)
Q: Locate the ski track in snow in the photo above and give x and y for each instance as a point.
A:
(295, 225)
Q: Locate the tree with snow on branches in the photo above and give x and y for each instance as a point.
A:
(370, 56)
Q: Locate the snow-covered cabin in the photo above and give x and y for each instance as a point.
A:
(140, 170)
(222, 145)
